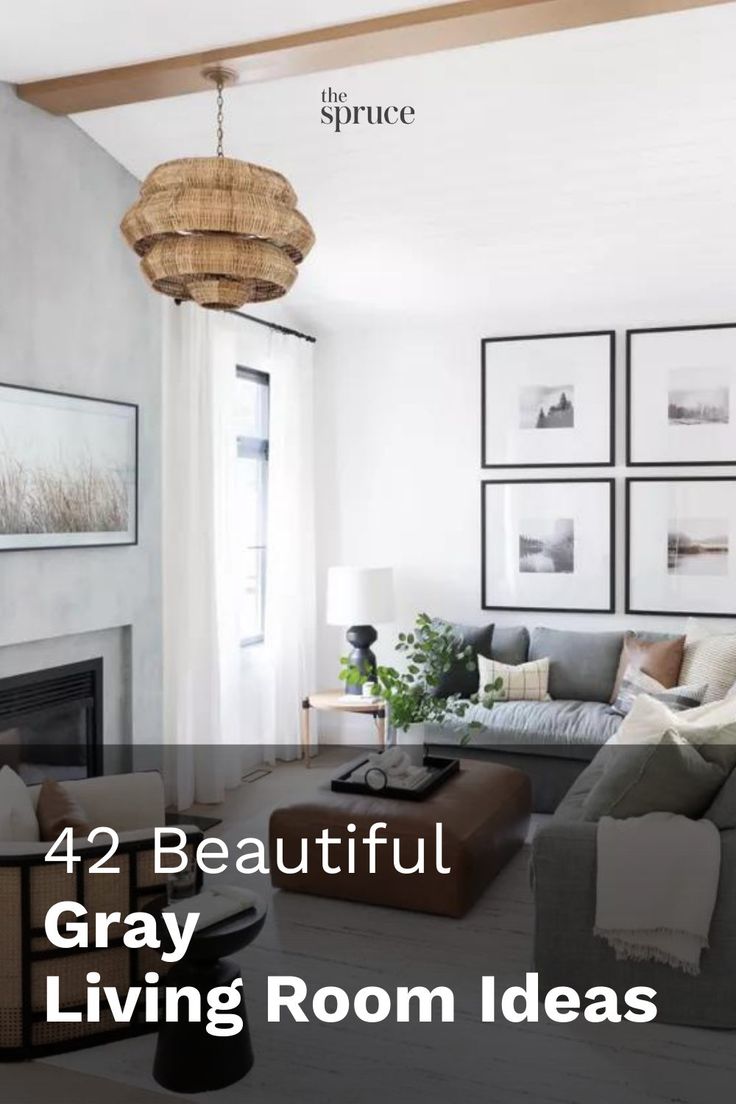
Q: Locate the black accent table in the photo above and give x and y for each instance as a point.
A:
(188, 1058)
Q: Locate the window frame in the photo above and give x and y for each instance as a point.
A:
(258, 448)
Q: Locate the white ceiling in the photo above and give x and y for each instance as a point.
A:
(553, 174)
(52, 38)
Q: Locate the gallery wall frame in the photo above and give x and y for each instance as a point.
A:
(594, 516)
(71, 468)
(596, 447)
(706, 431)
(702, 557)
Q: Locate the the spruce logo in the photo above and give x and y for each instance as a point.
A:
(338, 113)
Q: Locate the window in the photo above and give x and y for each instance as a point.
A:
(251, 423)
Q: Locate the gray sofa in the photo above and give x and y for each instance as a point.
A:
(567, 952)
(551, 741)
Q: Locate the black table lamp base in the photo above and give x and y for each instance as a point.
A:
(361, 637)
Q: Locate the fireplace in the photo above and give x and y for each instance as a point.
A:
(51, 722)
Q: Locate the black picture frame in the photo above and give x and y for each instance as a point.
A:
(488, 341)
(630, 462)
(611, 606)
(134, 407)
(630, 480)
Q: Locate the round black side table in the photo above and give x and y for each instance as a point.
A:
(188, 1058)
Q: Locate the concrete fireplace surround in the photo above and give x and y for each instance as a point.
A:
(112, 646)
(77, 317)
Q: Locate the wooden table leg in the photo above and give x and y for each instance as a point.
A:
(381, 726)
(305, 731)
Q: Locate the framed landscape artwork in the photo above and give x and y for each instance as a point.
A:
(681, 546)
(548, 400)
(68, 470)
(681, 396)
(548, 545)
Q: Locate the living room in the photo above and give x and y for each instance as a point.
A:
(454, 375)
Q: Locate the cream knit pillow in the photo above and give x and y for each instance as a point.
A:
(527, 682)
(709, 658)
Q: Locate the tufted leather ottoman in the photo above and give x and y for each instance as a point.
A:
(484, 810)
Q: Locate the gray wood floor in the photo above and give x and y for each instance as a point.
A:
(331, 942)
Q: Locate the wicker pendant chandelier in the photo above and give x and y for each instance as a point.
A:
(216, 230)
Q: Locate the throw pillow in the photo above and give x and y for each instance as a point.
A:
(635, 682)
(462, 678)
(669, 776)
(660, 659)
(710, 658)
(18, 821)
(649, 718)
(710, 728)
(527, 682)
(57, 809)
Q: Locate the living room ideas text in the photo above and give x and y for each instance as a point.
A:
(368, 552)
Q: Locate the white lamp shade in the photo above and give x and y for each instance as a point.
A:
(360, 595)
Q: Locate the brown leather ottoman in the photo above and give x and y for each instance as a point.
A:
(484, 810)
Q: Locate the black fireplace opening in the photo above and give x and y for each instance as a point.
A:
(51, 722)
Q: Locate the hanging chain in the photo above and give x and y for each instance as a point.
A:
(220, 115)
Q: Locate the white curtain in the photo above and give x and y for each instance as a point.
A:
(201, 646)
(283, 673)
(291, 605)
(215, 696)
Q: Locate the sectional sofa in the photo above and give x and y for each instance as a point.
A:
(551, 741)
(566, 952)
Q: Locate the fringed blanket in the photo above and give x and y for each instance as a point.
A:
(657, 886)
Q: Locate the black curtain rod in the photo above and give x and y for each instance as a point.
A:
(275, 326)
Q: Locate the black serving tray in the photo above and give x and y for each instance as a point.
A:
(442, 770)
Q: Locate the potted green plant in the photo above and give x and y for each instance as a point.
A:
(413, 695)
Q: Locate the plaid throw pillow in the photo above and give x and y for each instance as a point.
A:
(635, 682)
(527, 682)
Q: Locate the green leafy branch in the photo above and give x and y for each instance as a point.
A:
(413, 695)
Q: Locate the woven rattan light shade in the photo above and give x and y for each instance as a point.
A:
(219, 231)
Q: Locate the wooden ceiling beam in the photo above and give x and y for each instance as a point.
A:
(423, 31)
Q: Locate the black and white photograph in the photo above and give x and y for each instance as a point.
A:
(559, 384)
(547, 407)
(681, 396)
(680, 536)
(692, 406)
(548, 544)
(68, 470)
(697, 546)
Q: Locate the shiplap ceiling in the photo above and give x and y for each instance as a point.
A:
(573, 168)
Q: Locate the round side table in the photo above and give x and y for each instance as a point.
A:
(339, 702)
(188, 1058)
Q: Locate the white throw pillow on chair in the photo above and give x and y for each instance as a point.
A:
(18, 820)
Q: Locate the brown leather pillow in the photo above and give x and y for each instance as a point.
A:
(660, 659)
(57, 810)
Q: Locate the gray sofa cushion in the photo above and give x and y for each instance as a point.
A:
(569, 729)
(670, 776)
(583, 665)
(571, 806)
(510, 644)
(722, 810)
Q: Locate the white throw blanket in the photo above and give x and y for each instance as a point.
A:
(657, 885)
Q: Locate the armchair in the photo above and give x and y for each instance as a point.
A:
(133, 805)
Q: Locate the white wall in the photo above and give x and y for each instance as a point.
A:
(398, 417)
(76, 315)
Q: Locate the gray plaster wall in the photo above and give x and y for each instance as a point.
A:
(76, 315)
